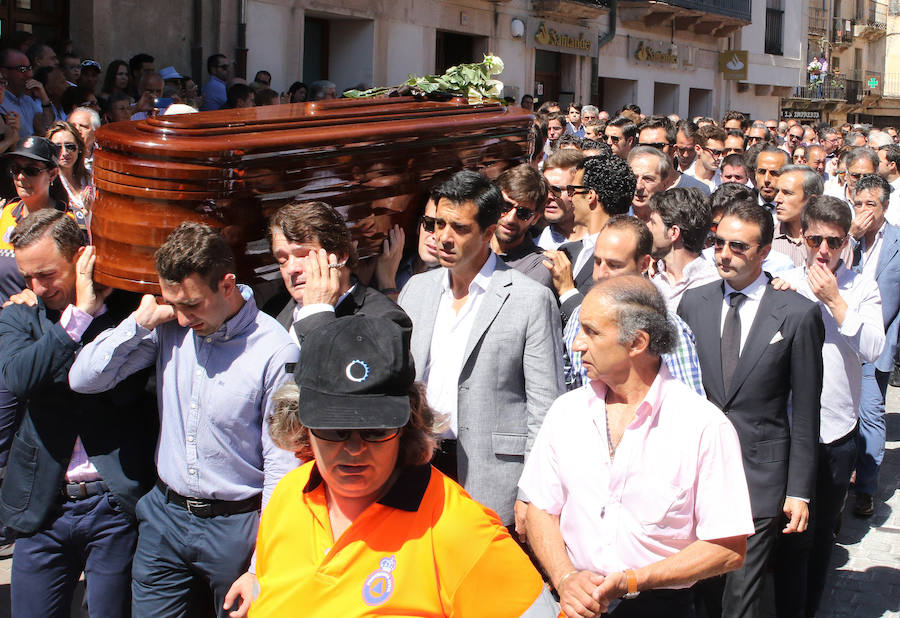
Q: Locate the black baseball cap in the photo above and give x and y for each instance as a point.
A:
(39, 149)
(355, 373)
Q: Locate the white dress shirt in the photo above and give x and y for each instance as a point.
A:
(871, 254)
(892, 214)
(698, 272)
(747, 311)
(713, 183)
(586, 253)
(448, 344)
(549, 239)
(859, 339)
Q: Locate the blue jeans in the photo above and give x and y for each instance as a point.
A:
(91, 535)
(871, 428)
(177, 551)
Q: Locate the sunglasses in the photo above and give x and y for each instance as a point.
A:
(573, 190)
(557, 191)
(657, 145)
(21, 68)
(367, 435)
(713, 151)
(736, 246)
(612, 138)
(427, 223)
(522, 213)
(28, 170)
(815, 241)
(70, 147)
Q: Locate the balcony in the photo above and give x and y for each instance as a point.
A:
(828, 88)
(842, 33)
(890, 86)
(717, 18)
(871, 22)
(570, 9)
(818, 22)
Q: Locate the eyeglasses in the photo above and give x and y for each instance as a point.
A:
(753, 139)
(856, 175)
(736, 246)
(573, 190)
(557, 191)
(713, 151)
(815, 241)
(731, 151)
(29, 170)
(657, 145)
(612, 138)
(70, 147)
(522, 213)
(795, 137)
(367, 435)
(21, 68)
(427, 223)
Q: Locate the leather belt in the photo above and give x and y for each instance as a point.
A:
(203, 508)
(82, 491)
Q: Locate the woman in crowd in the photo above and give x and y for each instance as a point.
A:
(297, 93)
(799, 155)
(72, 173)
(116, 80)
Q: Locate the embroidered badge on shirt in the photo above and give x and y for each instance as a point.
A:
(380, 583)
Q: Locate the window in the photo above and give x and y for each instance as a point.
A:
(775, 27)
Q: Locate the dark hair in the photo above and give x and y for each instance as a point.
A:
(73, 97)
(237, 92)
(258, 73)
(66, 234)
(418, 438)
(194, 248)
(826, 131)
(709, 132)
(136, 63)
(560, 117)
(642, 234)
(536, 139)
(35, 50)
(735, 160)
(306, 222)
(523, 183)
(109, 81)
(79, 170)
(736, 115)
(469, 186)
(860, 153)
(686, 209)
(564, 159)
(735, 133)
(589, 144)
(629, 129)
(638, 305)
(546, 105)
(632, 107)
(826, 209)
(876, 182)
(728, 193)
(568, 138)
(576, 106)
(613, 181)
(659, 122)
(688, 127)
(213, 61)
(265, 96)
(752, 212)
(892, 154)
(43, 73)
(294, 88)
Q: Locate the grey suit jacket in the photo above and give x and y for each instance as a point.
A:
(511, 373)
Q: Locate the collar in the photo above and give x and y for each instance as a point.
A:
(754, 291)
(245, 317)
(526, 247)
(405, 494)
(649, 406)
(482, 280)
(781, 233)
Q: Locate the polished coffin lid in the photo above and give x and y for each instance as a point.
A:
(372, 159)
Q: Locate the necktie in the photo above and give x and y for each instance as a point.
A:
(731, 338)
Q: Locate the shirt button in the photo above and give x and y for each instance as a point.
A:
(191, 471)
(199, 372)
(209, 340)
(190, 438)
(193, 406)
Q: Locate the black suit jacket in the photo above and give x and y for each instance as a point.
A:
(118, 428)
(362, 300)
(584, 279)
(781, 358)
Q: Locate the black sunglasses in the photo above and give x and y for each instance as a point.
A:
(612, 138)
(427, 223)
(573, 190)
(21, 68)
(657, 145)
(28, 170)
(736, 246)
(367, 435)
(814, 241)
(557, 191)
(522, 213)
(713, 151)
(70, 147)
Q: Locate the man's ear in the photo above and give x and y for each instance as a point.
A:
(78, 253)
(228, 284)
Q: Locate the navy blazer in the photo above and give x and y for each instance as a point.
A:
(118, 428)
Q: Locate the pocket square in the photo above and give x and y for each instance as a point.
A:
(778, 337)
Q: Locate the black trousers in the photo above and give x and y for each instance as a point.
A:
(663, 603)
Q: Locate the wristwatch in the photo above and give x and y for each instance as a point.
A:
(631, 580)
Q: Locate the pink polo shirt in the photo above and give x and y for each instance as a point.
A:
(676, 478)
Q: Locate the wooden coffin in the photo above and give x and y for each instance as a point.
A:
(373, 159)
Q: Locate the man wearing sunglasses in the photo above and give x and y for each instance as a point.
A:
(709, 144)
(24, 95)
(559, 172)
(524, 195)
(487, 344)
(394, 535)
(850, 304)
(876, 253)
(761, 354)
(218, 362)
(215, 90)
(620, 134)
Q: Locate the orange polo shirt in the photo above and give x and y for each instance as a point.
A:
(424, 549)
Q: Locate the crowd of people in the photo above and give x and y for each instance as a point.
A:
(635, 375)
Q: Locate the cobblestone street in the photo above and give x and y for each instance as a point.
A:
(865, 582)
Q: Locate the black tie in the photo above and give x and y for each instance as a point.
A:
(731, 338)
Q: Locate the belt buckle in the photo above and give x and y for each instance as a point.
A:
(199, 508)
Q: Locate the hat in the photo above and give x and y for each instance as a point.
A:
(355, 373)
(169, 73)
(90, 64)
(39, 149)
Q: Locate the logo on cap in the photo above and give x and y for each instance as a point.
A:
(351, 370)
(28, 143)
(380, 583)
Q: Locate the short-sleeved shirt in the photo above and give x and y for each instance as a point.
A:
(26, 107)
(677, 477)
(425, 548)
